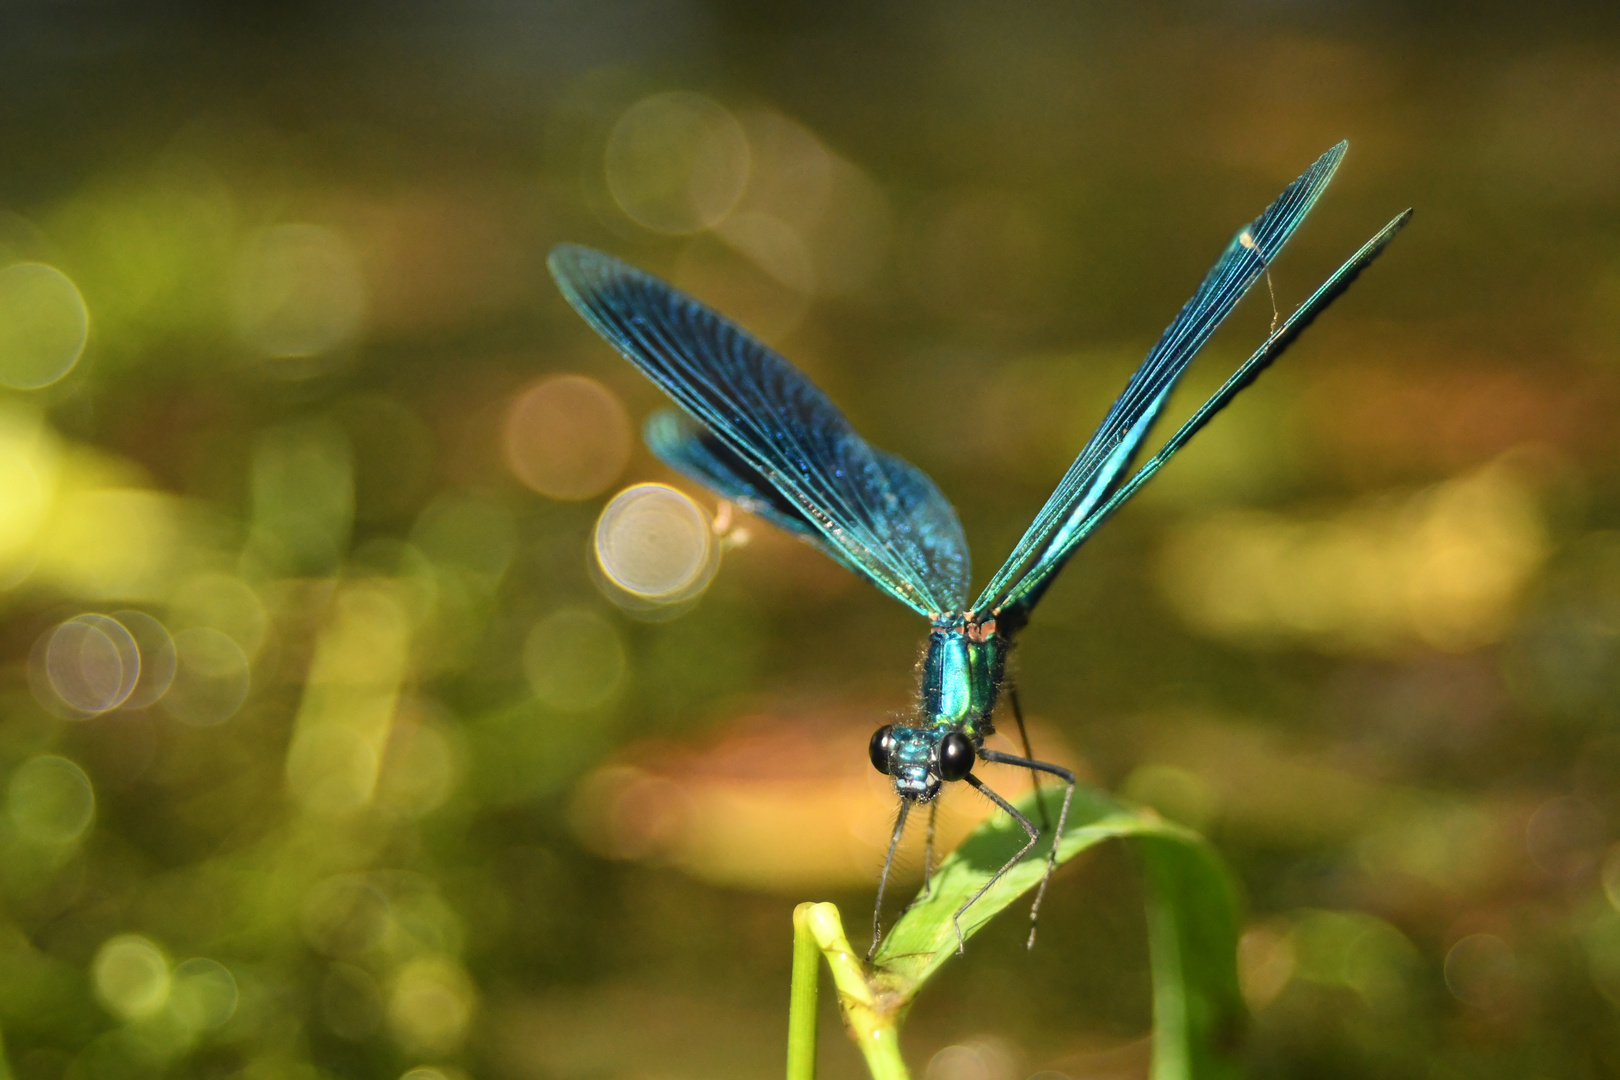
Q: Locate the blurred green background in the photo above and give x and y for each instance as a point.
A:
(329, 750)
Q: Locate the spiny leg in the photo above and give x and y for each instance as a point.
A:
(877, 908)
(1028, 827)
(1063, 817)
(1023, 737)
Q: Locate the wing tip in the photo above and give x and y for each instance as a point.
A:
(1314, 180)
(1328, 164)
(575, 262)
(1383, 236)
(564, 254)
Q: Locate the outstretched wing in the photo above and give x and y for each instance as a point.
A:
(1284, 336)
(777, 440)
(1057, 529)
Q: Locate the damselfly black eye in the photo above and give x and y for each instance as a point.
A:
(955, 756)
(879, 748)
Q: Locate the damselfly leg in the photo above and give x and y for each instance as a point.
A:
(894, 842)
(1029, 828)
(1023, 737)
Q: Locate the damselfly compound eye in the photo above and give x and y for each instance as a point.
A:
(882, 740)
(955, 756)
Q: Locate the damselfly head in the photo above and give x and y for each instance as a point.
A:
(920, 759)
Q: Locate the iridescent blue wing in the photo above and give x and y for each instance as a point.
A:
(691, 449)
(1284, 336)
(886, 518)
(1055, 532)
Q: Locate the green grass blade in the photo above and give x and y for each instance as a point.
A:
(1193, 921)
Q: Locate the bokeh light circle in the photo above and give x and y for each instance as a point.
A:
(978, 1060)
(92, 663)
(298, 291)
(677, 162)
(567, 437)
(202, 993)
(211, 677)
(574, 660)
(50, 800)
(656, 544)
(431, 1005)
(1481, 970)
(157, 657)
(43, 325)
(131, 977)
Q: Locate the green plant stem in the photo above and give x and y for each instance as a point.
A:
(801, 1055)
(870, 1024)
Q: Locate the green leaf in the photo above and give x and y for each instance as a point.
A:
(1198, 1012)
(1192, 923)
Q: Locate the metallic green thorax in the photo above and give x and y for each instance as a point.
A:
(961, 678)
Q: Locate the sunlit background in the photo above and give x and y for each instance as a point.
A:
(375, 706)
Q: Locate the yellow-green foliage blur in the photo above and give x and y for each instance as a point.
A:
(373, 705)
